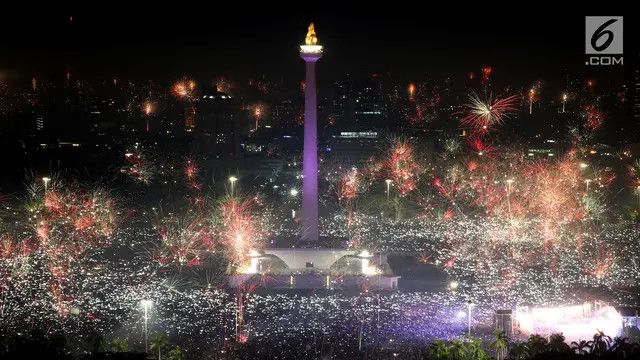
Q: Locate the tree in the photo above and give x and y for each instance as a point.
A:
(557, 343)
(537, 344)
(581, 348)
(600, 343)
(457, 350)
(500, 344)
(99, 342)
(438, 350)
(622, 348)
(520, 351)
(35, 344)
(118, 345)
(176, 353)
(475, 351)
(159, 342)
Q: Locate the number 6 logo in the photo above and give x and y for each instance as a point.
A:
(603, 35)
(600, 32)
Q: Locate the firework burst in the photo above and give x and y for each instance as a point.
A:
(479, 146)
(484, 114)
(139, 166)
(184, 240)
(58, 226)
(402, 166)
(185, 89)
(593, 118)
(238, 227)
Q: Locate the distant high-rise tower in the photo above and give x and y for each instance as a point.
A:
(636, 88)
(189, 118)
(310, 53)
(503, 321)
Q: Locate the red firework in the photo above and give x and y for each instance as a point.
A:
(184, 240)
(191, 174)
(239, 229)
(402, 167)
(480, 147)
(486, 74)
(348, 187)
(593, 117)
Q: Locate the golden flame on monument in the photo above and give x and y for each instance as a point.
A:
(311, 48)
(311, 38)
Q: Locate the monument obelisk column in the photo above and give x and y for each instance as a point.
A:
(310, 53)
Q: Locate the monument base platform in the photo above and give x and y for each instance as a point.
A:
(314, 281)
(316, 268)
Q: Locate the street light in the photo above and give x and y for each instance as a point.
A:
(232, 180)
(388, 182)
(46, 180)
(586, 202)
(469, 305)
(293, 192)
(146, 304)
(564, 101)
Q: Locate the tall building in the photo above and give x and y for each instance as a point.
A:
(284, 113)
(189, 118)
(370, 108)
(353, 148)
(359, 102)
(342, 97)
(636, 88)
(39, 122)
(503, 321)
(218, 125)
(311, 52)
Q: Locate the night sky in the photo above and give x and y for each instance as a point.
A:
(242, 42)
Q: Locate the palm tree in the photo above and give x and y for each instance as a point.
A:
(438, 350)
(176, 353)
(581, 348)
(600, 344)
(457, 350)
(622, 348)
(99, 343)
(159, 342)
(520, 351)
(475, 351)
(500, 344)
(557, 343)
(537, 344)
(118, 345)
